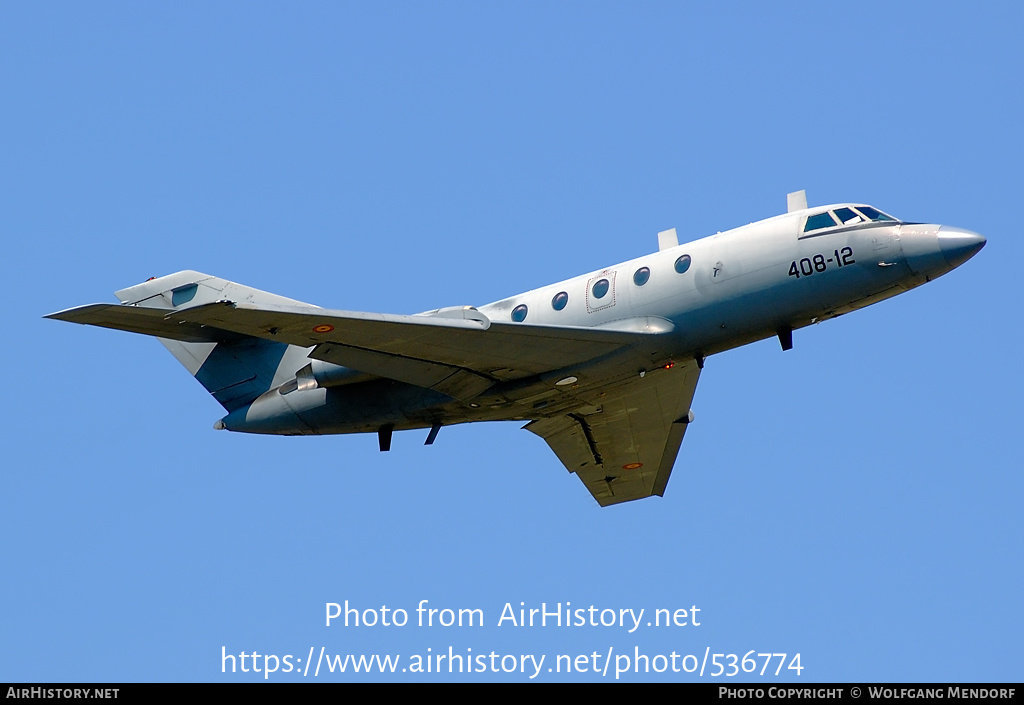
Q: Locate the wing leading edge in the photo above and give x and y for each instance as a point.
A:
(500, 350)
(626, 449)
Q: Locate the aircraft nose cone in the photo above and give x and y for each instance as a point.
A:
(959, 245)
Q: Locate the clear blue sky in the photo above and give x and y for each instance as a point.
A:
(855, 500)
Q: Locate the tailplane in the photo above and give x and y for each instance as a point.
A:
(234, 368)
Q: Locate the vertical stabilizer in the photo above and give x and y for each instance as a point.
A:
(234, 369)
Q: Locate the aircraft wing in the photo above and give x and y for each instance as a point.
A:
(626, 449)
(421, 347)
(459, 352)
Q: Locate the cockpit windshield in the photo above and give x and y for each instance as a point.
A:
(847, 215)
(875, 214)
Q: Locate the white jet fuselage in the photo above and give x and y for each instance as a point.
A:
(742, 285)
(603, 366)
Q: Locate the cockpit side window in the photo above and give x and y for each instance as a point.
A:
(875, 214)
(819, 221)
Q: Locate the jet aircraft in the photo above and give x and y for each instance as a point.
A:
(603, 366)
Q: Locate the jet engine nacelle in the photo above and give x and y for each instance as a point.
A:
(318, 374)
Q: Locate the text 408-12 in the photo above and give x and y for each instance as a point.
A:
(809, 265)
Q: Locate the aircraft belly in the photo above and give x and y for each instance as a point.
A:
(365, 407)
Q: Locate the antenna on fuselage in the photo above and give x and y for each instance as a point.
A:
(667, 239)
(796, 201)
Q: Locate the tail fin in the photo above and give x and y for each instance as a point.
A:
(235, 369)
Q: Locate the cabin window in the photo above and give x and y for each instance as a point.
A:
(682, 264)
(641, 276)
(819, 221)
(601, 287)
(559, 300)
(519, 313)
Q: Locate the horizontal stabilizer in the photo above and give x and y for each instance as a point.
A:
(234, 368)
(144, 307)
(144, 320)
